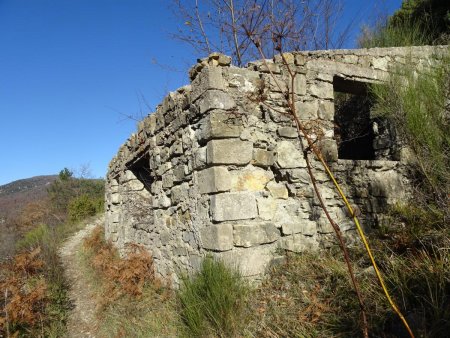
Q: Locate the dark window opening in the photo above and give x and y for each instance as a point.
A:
(353, 126)
(141, 169)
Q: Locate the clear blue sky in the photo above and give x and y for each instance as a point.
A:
(69, 69)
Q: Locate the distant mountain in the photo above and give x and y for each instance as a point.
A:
(15, 195)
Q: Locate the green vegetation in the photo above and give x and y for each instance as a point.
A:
(214, 301)
(417, 22)
(417, 104)
(33, 288)
(132, 302)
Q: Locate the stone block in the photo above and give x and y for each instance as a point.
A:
(218, 237)
(299, 243)
(326, 110)
(303, 226)
(322, 90)
(199, 158)
(214, 179)
(220, 124)
(244, 80)
(380, 63)
(300, 84)
(233, 206)
(115, 198)
(180, 193)
(209, 78)
(307, 110)
(267, 207)
(215, 99)
(251, 179)
(248, 235)
(289, 156)
(229, 151)
(249, 261)
(263, 158)
(329, 150)
(277, 190)
(288, 132)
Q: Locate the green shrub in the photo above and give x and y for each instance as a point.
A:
(213, 301)
(82, 207)
(417, 104)
(33, 238)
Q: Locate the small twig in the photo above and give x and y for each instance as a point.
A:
(200, 23)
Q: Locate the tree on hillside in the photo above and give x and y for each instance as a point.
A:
(218, 25)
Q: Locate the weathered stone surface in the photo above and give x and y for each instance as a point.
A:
(249, 261)
(288, 132)
(277, 190)
(233, 206)
(299, 243)
(300, 84)
(289, 156)
(218, 167)
(322, 90)
(229, 151)
(215, 99)
(263, 158)
(214, 179)
(248, 235)
(221, 125)
(304, 227)
(329, 150)
(208, 78)
(251, 179)
(307, 110)
(218, 237)
(267, 206)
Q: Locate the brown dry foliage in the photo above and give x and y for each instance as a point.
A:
(23, 292)
(122, 276)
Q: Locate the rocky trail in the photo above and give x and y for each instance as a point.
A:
(82, 319)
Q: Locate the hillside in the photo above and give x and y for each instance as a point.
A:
(16, 195)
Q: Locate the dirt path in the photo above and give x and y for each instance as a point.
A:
(82, 321)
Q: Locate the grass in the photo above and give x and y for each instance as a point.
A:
(311, 296)
(406, 33)
(213, 302)
(133, 302)
(416, 102)
(33, 284)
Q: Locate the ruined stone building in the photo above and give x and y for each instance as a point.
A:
(218, 169)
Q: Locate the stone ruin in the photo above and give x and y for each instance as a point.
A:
(218, 170)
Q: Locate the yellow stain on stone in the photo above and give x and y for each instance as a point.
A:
(254, 179)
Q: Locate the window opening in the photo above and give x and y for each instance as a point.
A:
(141, 169)
(353, 126)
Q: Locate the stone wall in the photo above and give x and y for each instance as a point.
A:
(219, 169)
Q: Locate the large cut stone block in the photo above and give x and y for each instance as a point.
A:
(255, 234)
(233, 206)
(215, 179)
(217, 237)
(263, 158)
(215, 99)
(303, 226)
(299, 243)
(289, 156)
(229, 151)
(220, 124)
(209, 78)
(249, 261)
(251, 179)
(321, 89)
